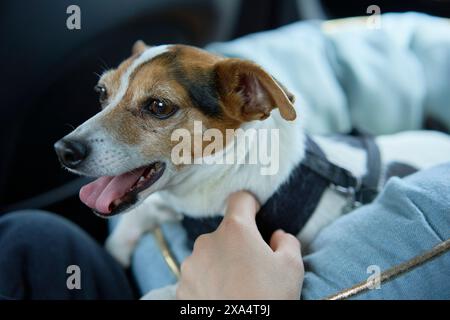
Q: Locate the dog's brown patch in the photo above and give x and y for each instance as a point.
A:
(249, 93)
(221, 93)
(111, 78)
(138, 47)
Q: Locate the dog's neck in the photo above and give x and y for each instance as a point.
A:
(203, 189)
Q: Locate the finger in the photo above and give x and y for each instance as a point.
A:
(181, 292)
(185, 266)
(201, 242)
(285, 243)
(242, 206)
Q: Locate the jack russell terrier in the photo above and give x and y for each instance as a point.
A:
(128, 148)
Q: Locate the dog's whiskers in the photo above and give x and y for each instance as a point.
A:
(104, 65)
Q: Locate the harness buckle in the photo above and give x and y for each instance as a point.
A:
(350, 193)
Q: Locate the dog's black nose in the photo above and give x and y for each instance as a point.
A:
(71, 153)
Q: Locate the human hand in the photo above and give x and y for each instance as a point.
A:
(234, 262)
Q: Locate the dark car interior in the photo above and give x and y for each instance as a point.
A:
(48, 73)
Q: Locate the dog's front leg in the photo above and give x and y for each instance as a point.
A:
(132, 225)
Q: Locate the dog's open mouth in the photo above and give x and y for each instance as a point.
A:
(108, 196)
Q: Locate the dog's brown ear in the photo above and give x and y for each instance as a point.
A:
(249, 93)
(290, 96)
(138, 47)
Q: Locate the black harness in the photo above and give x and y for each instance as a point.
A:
(295, 201)
(362, 190)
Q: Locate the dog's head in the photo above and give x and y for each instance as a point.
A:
(157, 90)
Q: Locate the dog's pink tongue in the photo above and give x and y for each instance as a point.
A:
(101, 193)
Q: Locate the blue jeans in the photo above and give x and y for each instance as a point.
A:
(36, 249)
(409, 217)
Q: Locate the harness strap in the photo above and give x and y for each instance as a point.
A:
(370, 181)
(362, 190)
(316, 160)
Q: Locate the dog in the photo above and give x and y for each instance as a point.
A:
(128, 146)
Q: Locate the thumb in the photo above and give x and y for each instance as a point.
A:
(242, 205)
(285, 243)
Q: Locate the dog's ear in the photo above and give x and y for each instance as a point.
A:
(290, 96)
(249, 93)
(138, 47)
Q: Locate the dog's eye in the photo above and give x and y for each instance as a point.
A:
(160, 109)
(102, 93)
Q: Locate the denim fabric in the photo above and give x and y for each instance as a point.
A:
(36, 248)
(159, 275)
(148, 265)
(409, 217)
